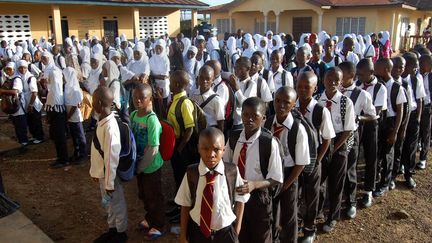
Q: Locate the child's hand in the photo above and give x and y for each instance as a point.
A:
(158, 93)
(233, 82)
(246, 188)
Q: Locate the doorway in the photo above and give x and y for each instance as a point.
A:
(110, 30)
(301, 25)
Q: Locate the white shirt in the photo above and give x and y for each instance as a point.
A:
(222, 90)
(419, 91)
(108, 134)
(400, 98)
(246, 90)
(301, 147)
(266, 94)
(253, 169)
(214, 109)
(277, 78)
(350, 57)
(335, 112)
(30, 86)
(381, 96)
(427, 99)
(363, 103)
(326, 129)
(60, 62)
(18, 86)
(223, 214)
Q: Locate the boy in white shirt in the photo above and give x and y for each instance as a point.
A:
(425, 122)
(104, 168)
(347, 54)
(207, 195)
(263, 90)
(278, 76)
(250, 148)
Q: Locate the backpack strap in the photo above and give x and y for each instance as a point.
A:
(195, 67)
(231, 178)
(266, 74)
(233, 138)
(283, 77)
(292, 137)
(259, 84)
(355, 94)
(393, 95)
(178, 113)
(430, 84)
(97, 144)
(414, 82)
(343, 103)
(192, 174)
(208, 100)
(377, 87)
(205, 56)
(317, 114)
(265, 147)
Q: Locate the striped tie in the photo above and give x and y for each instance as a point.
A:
(328, 104)
(277, 130)
(207, 204)
(242, 160)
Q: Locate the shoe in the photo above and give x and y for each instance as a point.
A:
(380, 192)
(119, 237)
(392, 185)
(36, 141)
(410, 183)
(173, 212)
(105, 237)
(421, 165)
(175, 219)
(401, 170)
(352, 212)
(366, 201)
(308, 238)
(24, 144)
(152, 235)
(58, 165)
(328, 227)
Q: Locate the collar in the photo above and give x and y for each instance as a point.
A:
(288, 122)
(242, 138)
(206, 94)
(310, 106)
(280, 69)
(203, 170)
(217, 80)
(255, 76)
(179, 95)
(106, 119)
(350, 88)
(333, 99)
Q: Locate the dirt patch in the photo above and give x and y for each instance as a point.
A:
(66, 204)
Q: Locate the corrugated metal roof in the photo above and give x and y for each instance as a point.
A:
(149, 3)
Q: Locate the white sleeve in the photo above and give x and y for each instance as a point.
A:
(275, 163)
(33, 85)
(62, 62)
(111, 148)
(350, 124)
(327, 129)
(420, 91)
(289, 80)
(271, 82)
(228, 154)
(18, 85)
(401, 97)
(219, 109)
(381, 98)
(239, 182)
(266, 95)
(302, 147)
(368, 107)
(183, 197)
(147, 66)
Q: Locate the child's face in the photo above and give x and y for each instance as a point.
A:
(275, 61)
(425, 66)
(26, 57)
(201, 46)
(252, 118)
(241, 71)
(347, 78)
(104, 72)
(37, 56)
(348, 45)
(211, 151)
(364, 75)
(140, 100)
(44, 60)
(332, 80)
(116, 60)
(256, 65)
(301, 57)
(94, 63)
(328, 46)
(22, 69)
(205, 80)
(245, 45)
(274, 42)
(190, 54)
(411, 67)
(317, 51)
(137, 55)
(97, 104)
(158, 50)
(398, 69)
(9, 71)
(283, 104)
(305, 89)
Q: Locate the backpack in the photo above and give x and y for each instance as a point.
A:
(292, 136)
(193, 175)
(224, 59)
(10, 104)
(123, 92)
(128, 153)
(393, 97)
(167, 138)
(230, 107)
(343, 104)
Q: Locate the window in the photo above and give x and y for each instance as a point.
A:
(260, 28)
(222, 25)
(15, 27)
(350, 25)
(153, 26)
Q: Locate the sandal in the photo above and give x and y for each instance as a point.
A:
(152, 235)
(144, 225)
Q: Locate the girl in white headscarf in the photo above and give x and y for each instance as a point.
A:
(73, 99)
(192, 67)
(362, 44)
(93, 79)
(186, 44)
(140, 64)
(160, 67)
(213, 48)
(233, 52)
(111, 75)
(278, 44)
(335, 38)
(85, 62)
(248, 46)
(262, 46)
(369, 48)
(385, 45)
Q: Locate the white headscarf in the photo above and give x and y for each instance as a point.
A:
(85, 54)
(159, 62)
(362, 43)
(113, 74)
(212, 44)
(301, 41)
(385, 37)
(117, 42)
(72, 92)
(186, 44)
(265, 48)
(257, 38)
(123, 37)
(55, 82)
(93, 79)
(369, 48)
(231, 45)
(140, 66)
(251, 46)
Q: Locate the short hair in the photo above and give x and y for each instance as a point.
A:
(334, 69)
(244, 61)
(207, 68)
(212, 133)
(276, 52)
(260, 54)
(388, 63)
(287, 90)
(255, 102)
(305, 50)
(425, 59)
(365, 63)
(310, 76)
(410, 57)
(181, 76)
(347, 67)
(144, 88)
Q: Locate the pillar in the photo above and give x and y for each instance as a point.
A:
(56, 18)
(277, 22)
(136, 23)
(265, 22)
(194, 19)
(320, 19)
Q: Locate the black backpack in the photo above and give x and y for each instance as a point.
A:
(224, 59)
(230, 107)
(10, 104)
(393, 97)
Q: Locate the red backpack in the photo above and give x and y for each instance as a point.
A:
(167, 140)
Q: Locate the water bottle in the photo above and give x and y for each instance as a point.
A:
(105, 200)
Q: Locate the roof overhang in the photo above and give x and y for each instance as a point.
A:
(118, 4)
(408, 7)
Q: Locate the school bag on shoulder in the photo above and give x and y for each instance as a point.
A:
(343, 104)
(394, 91)
(230, 107)
(124, 96)
(167, 138)
(224, 59)
(192, 174)
(128, 154)
(292, 136)
(10, 104)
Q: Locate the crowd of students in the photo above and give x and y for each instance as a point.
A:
(285, 125)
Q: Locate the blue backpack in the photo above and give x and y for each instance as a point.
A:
(128, 153)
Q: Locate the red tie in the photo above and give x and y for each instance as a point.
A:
(277, 130)
(366, 86)
(242, 160)
(207, 204)
(328, 104)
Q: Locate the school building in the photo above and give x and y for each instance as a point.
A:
(24, 19)
(337, 17)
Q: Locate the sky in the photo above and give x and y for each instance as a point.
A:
(215, 2)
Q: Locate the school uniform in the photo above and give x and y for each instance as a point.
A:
(295, 72)
(411, 140)
(386, 153)
(105, 169)
(289, 197)
(222, 216)
(263, 90)
(319, 68)
(349, 57)
(19, 118)
(214, 107)
(256, 225)
(425, 122)
(363, 105)
(34, 118)
(311, 182)
(247, 89)
(276, 78)
(264, 73)
(60, 61)
(335, 164)
(33, 69)
(221, 89)
(368, 132)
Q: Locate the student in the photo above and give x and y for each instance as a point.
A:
(93, 79)
(248, 46)
(347, 54)
(410, 144)
(32, 68)
(233, 52)
(303, 56)
(59, 60)
(281, 125)
(263, 90)
(160, 68)
(208, 100)
(104, 168)
(56, 110)
(73, 97)
(85, 62)
(365, 113)
(140, 63)
(368, 131)
(147, 131)
(330, 58)
(111, 79)
(243, 149)
(19, 118)
(192, 67)
(425, 122)
(220, 86)
(310, 108)
(202, 56)
(335, 164)
(278, 76)
(390, 126)
(318, 66)
(207, 214)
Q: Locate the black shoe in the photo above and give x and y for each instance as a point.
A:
(410, 183)
(175, 211)
(392, 185)
(380, 192)
(58, 165)
(366, 201)
(175, 219)
(119, 237)
(105, 237)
